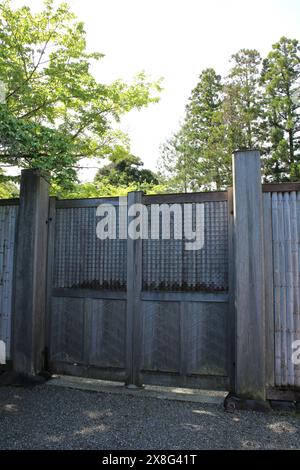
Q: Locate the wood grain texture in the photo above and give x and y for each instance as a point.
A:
(249, 279)
(30, 274)
(269, 290)
(133, 316)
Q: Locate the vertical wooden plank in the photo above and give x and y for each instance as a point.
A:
(282, 283)
(269, 294)
(134, 287)
(30, 275)
(249, 299)
(295, 273)
(297, 287)
(184, 340)
(289, 287)
(231, 333)
(49, 280)
(276, 280)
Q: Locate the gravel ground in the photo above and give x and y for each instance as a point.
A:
(46, 417)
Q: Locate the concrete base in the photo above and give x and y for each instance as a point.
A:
(150, 391)
(234, 403)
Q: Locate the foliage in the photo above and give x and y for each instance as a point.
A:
(55, 111)
(8, 189)
(194, 157)
(257, 106)
(103, 188)
(125, 169)
(280, 77)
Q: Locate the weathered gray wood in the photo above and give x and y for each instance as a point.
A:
(8, 222)
(231, 328)
(9, 202)
(30, 275)
(280, 187)
(185, 197)
(134, 287)
(161, 336)
(276, 281)
(249, 301)
(105, 333)
(295, 272)
(90, 202)
(289, 287)
(282, 284)
(297, 287)
(67, 330)
(206, 338)
(218, 297)
(89, 293)
(269, 290)
(49, 279)
(283, 395)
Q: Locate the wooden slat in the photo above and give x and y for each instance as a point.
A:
(134, 287)
(295, 274)
(249, 298)
(276, 280)
(185, 197)
(9, 202)
(280, 187)
(269, 293)
(282, 284)
(184, 296)
(90, 202)
(89, 293)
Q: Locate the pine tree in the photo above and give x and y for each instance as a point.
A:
(280, 77)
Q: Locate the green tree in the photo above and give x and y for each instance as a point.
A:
(55, 111)
(280, 77)
(124, 169)
(196, 155)
(242, 102)
(8, 188)
(175, 163)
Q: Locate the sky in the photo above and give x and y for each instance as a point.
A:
(176, 40)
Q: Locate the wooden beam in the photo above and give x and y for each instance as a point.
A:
(30, 275)
(280, 187)
(134, 287)
(172, 198)
(249, 299)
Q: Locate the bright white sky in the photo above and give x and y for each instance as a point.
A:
(174, 39)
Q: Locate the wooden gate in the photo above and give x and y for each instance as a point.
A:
(141, 311)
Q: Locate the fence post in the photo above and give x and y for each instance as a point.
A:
(249, 276)
(30, 275)
(134, 287)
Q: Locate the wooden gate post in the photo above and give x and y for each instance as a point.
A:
(28, 332)
(249, 276)
(134, 287)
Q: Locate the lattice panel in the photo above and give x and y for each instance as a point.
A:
(167, 265)
(81, 259)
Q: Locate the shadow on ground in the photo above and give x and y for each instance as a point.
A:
(46, 417)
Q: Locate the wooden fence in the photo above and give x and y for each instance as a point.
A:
(282, 287)
(148, 311)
